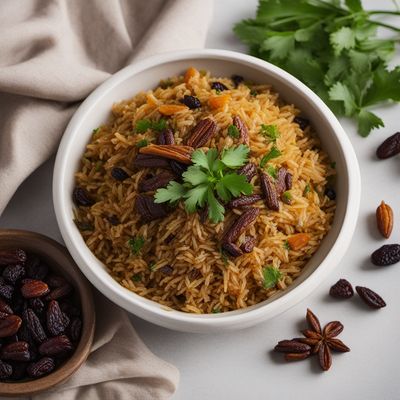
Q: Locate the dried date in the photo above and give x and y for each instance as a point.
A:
(248, 170)
(239, 225)
(159, 181)
(16, 351)
(14, 256)
(34, 325)
(388, 254)
(269, 191)
(390, 147)
(34, 288)
(56, 322)
(244, 201)
(5, 370)
(148, 209)
(150, 161)
(56, 346)
(42, 367)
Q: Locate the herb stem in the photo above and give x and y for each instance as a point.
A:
(393, 28)
(377, 12)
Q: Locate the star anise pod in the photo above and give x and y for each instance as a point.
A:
(323, 341)
(316, 341)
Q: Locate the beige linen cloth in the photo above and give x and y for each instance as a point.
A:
(53, 53)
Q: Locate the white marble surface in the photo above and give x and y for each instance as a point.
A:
(240, 364)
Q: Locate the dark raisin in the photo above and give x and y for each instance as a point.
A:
(119, 174)
(81, 197)
(342, 289)
(35, 269)
(56, 346)
(34, 325)
(74, 329)
(330, 193)
(18, 370)
(5, 308)
(5, 370)
(167, 270)
(42, 367)
(386, 255)
(191, 101)
(237, 80)
(302, 122)
(6, 291)
(12, 273)
(55, 281)
(370, 298)
(60, 292)
(113, 220)
(56, 322)
(218, 86)
(169, 238)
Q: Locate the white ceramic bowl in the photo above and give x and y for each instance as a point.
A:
(146, 74)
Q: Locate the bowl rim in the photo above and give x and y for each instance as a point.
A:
(82, 351)
(123, 297)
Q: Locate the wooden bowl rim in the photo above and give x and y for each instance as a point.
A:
(37, 242)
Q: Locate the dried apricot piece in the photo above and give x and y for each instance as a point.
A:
(170, 109)
(218, 101)
(298, 241)
(190, 73)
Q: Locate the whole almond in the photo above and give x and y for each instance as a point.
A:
(384, 219)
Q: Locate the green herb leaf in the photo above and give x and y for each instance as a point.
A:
(195, 176)
(273, 153)
(136, 244)
(342, 39)
(142, 125)
(142, 143)
(95, 131)
(286, 245)
(215, 208)
(287, 197)
(196, 197)
(235, 157)
(272, 171)
(233, 185)
(271, 276)
(270, 131)
(307, 189)
(233, 132)
(216, 310)
(159, 125)
(340, 92)
(354, 5)
(136, 278)
(173, 192)
(367, 121)
(151, 266)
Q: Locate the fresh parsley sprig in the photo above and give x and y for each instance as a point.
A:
(333, 48)
(210, 180)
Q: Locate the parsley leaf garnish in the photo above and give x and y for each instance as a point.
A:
(270, 131)
(210, 179)
(142, 125)
(136, 278)
(271, 170)
(233, 132)
(306, 189)
(273, 153)
(136, 244)
(336, 44)
(271, 276)
(142, 143)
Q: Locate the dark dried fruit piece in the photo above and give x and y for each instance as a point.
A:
(148, 209)
(386, 255)
(5, 308)
(35, 269)
(231, 249)
(342, 289)
(17, 351)
(74, 329)
(113, 220)
(13, 256)
(34, 288)
(5, 370)
(288, 180)
(370, 298)
(56, 346)
(81, 197)
(177, 168)
(150, 161)
(12, 273)
(166, 137)
(191, 101)
(248, 245)
(237, 80)
(42, 367)
(55, 281)
(218, 86)
(302, 122)
(34, 325)
(239, 225)
(60, 292)
(280, 183)
(269, 191)
(330, 193)
(291, 346)
(119, 174)
(159, 181)
(242, 128)
(9, 325)
(202, 133)
(244, 201)
(18, 370)
(166, 270)
(248, 170)
(56, 322)
(390, 147)
(6, 291)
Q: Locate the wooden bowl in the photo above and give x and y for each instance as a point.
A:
(60, 262)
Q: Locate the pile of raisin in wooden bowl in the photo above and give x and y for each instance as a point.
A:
(47, 317)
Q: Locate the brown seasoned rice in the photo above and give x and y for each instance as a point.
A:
(202, 279)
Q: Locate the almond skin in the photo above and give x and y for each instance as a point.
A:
(384, 219)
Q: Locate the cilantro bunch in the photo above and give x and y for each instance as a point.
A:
(331, 47)
(210, 179)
